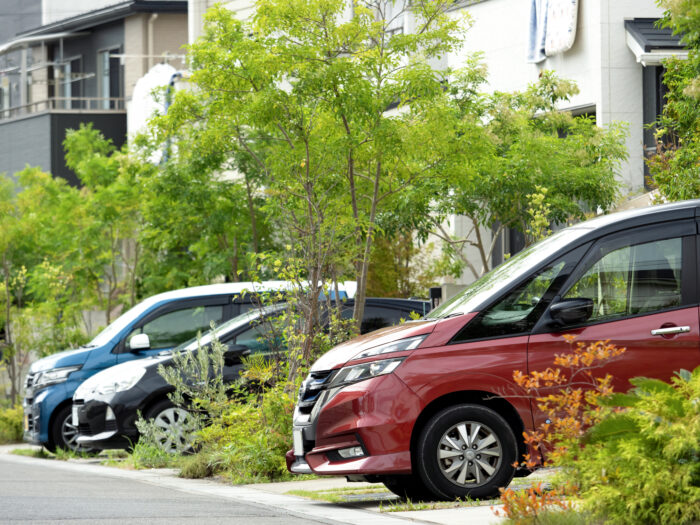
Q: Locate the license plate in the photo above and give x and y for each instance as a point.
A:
(298, 442)
(26, 423)
(74, 413)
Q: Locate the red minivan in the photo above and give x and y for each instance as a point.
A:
(424, 407)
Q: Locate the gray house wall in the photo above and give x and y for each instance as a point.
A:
(23, 142)
(17, 16)
(37, 140)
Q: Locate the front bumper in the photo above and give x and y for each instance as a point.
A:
(105, 424)
(376, 415)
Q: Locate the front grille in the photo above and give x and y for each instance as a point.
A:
(311, 388)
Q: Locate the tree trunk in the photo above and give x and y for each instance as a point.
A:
(359, 310)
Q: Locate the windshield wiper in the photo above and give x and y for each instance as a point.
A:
(453, 314)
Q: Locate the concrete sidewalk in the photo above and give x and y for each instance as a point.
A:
(363, 510)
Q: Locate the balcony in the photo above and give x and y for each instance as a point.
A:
(65, 105)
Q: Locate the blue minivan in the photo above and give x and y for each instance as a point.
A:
(159, 323)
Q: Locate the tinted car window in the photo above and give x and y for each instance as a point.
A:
(518, 312)
(259, 338)
(633, 280)
(172, 328)
(376, 317)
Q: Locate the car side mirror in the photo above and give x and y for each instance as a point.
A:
(234, 353)
(139, 342)
(572, 311)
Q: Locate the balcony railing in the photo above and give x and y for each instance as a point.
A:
(68, 104)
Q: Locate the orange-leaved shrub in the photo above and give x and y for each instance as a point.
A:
(568, 394)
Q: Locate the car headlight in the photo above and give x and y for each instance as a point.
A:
(395, 346)
(356, 373)
(54, 376)
(119, 382)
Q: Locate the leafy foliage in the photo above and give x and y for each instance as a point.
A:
(570, 396)
(499, 150)
(675, 168)
(641, 462)
(11, 428)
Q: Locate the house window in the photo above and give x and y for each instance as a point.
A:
(394, 14)
(110, 78)
(654, 93)
(69, 82)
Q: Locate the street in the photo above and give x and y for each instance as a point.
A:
(42, 491)
(35, 491)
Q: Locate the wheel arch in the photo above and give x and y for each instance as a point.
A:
(52, 418)
(476, 397)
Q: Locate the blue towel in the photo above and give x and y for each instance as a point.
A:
(538, 31)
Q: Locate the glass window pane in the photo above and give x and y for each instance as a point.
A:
(633, 280)
(175, 327)
(518, 312)
(257, 338)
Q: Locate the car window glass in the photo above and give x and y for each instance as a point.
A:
(258, 338)
(633, 280)
(175, 327)
(375, 318)
(518, 312)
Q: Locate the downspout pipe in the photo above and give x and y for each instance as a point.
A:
(151, 39)
(168, 101)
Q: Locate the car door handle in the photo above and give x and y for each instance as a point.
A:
(671, 330)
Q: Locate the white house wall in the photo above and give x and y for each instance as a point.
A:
(605, 70)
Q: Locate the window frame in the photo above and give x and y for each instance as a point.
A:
(686, 230)
(571, 258)
(223, 300)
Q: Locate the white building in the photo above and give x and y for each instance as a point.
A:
(610, 48)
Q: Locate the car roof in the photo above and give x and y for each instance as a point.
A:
(621, 220)
(221, 289)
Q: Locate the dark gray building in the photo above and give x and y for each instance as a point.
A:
(74, 70)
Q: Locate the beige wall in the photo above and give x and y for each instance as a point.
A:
(169, 35)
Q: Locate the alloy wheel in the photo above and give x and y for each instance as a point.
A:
(469, 454)
(174, 429)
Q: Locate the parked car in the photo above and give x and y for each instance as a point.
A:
(156, 324)
(428, 408)
(107, 405)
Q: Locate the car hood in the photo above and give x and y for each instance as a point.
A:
(341, 354)
(87, 388)
(61, 359)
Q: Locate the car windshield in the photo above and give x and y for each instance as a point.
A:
(500, 278)
(121, 322)
(229, 326)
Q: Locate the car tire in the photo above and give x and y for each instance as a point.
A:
(174, 427)
(408, 487)
(64, 434)
(466, 451)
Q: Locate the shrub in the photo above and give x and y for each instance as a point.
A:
(248, 442)
(641, 462)
(11, 428)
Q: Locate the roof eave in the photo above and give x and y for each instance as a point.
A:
(108, 14)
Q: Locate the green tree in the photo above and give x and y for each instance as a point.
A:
(111, 221)
(42, 297)
(508, 147)
(308, 99)
(675, 169)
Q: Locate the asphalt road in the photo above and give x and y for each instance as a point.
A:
(36, 493)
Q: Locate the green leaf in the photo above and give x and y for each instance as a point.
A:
(614, 427)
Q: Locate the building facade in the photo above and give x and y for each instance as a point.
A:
(67, 63)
